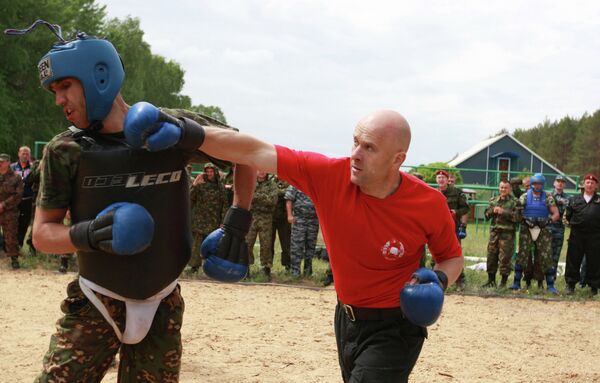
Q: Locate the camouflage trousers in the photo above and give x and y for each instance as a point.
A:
(558, 238)
(10, 227)
(541, 250)
(196, 258)
(84, 344)
(303, 243)
(262, 227)
(500, 249)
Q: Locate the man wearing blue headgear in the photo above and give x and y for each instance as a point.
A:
(538, 211)
(130, 249)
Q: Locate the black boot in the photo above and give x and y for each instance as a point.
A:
(503, 281)
(267, 271)
(491, 281)
(460, 282)
(307, 271)
(328, 278)
(570, 288)
(14, 263)
(64, 265)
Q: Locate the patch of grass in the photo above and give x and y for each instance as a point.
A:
(475, 245)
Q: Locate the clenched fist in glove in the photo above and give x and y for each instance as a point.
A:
(422, 298)
(225, 250)
(122, 228)
(147, 125)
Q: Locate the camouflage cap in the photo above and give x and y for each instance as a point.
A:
(4, 157)
(209, 165)
(560, 178)
(516, 181)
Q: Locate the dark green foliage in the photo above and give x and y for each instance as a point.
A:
(572, 145)
(28, 113)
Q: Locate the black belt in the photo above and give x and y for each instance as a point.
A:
(367, 313)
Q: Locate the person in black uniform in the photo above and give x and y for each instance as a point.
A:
(23, 168)
(583, 215)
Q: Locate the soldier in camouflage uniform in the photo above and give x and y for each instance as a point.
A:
(515, 184)
(11, 191)
(504, 216)
(305, 229)
(263, 206)
(457, 203)
(281, 226)
(126, 299)
(209, 202)
(558, 228)
(538, 209)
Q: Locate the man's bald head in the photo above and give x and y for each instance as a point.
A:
(381, 140)
(390, 125)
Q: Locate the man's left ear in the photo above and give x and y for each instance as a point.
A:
(400, 158)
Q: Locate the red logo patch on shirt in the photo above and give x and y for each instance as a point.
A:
(392, 250)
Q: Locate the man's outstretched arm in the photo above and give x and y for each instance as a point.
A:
(143, 119)
(240, 148)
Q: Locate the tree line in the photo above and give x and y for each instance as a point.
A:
(28, 113)
(570, 144)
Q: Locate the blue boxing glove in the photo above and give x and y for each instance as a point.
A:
(122, 228)
(147, 125)
(422, 302)
(462, 231)
(225, 250)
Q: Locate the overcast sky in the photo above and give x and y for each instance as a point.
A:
(302, 73)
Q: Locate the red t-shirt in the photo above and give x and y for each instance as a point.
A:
(374, 244)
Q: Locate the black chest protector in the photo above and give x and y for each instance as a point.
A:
(110, 171)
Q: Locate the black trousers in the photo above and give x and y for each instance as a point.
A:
(580, 244)
(283, 228)
(24, 219)
(378, 351)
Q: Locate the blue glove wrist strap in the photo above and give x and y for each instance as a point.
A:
(443, 278)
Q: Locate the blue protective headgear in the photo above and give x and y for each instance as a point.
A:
(538, 178)
(94, 62)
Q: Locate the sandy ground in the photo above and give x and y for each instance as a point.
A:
(266, 333)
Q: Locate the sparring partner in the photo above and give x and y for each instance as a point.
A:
(376, 221)
(535, 238)
(131, 224)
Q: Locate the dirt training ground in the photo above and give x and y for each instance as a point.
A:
(265, 333)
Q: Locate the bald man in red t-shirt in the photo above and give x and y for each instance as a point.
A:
(376, 221)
